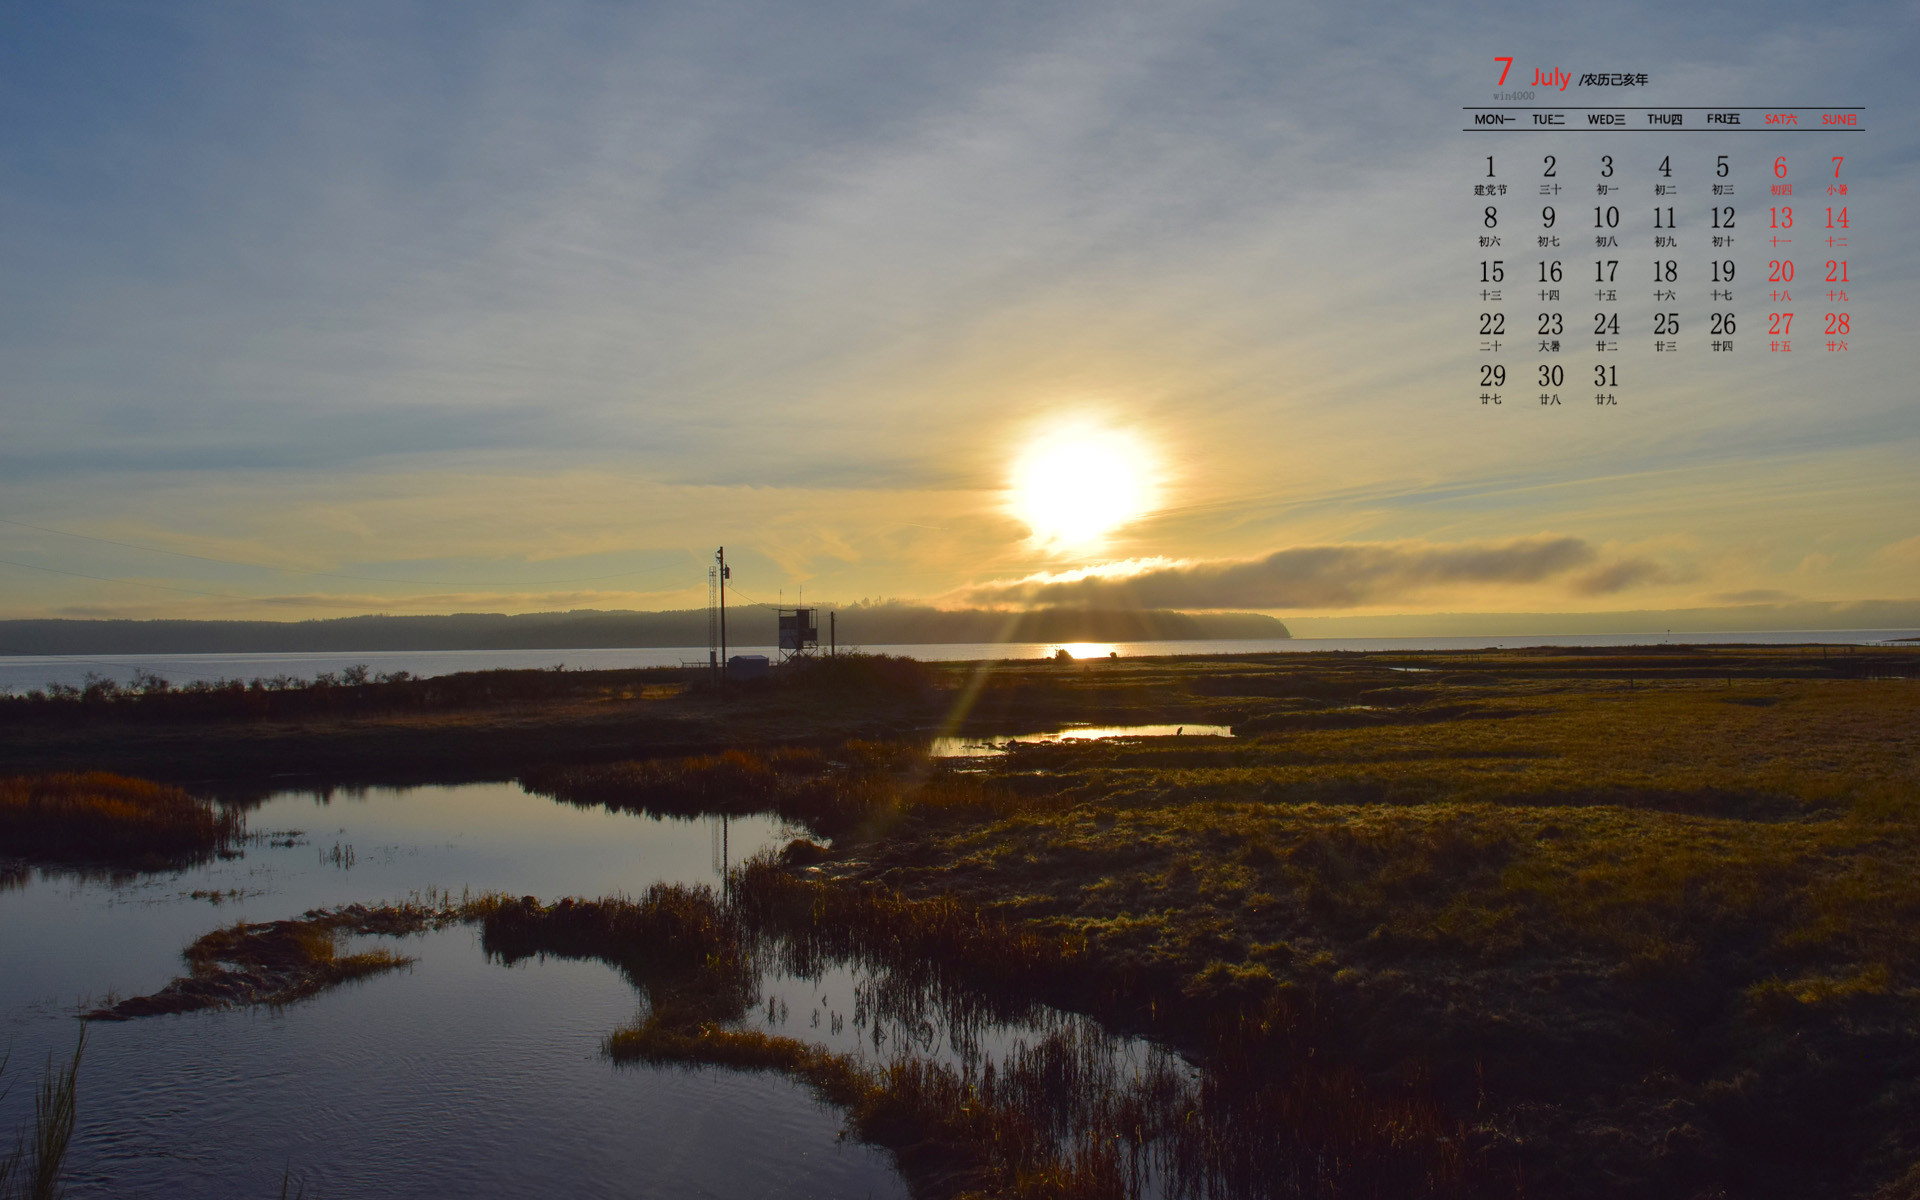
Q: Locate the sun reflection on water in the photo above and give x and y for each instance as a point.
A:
(1084, 649)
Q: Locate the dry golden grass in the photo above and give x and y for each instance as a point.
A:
(102, 819)
(1799, 745)
(279, 962)
(1657, 938)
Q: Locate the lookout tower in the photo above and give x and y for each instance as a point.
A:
(799, 632)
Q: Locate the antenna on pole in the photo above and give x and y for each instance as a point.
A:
(713, 624)
(725, 573)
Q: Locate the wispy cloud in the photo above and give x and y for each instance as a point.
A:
(1332, 576)
(1619, 575)
(1905, 552)
(1755, 596)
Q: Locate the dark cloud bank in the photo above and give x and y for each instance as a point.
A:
(749, 625)
(1352, 576)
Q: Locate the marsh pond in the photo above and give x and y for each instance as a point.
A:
(452, 1074)
(466, 1063)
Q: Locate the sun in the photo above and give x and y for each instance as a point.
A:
(1074, 485)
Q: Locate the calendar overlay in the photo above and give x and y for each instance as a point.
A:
(1604, 262)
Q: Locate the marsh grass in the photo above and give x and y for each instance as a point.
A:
(98, 819)
(692, 955)
(353, 693)
(1056, 1118)
(858, 788)
(680, 945)
(356, 694)
(859, 674)
(1276, 1112)
(1653, 939)
(31, 1171)
(954, 1131)
(279, 962)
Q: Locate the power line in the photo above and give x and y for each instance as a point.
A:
(755, 603)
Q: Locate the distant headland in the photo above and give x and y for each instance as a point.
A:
(857, 625)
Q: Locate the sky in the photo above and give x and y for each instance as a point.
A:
(317, 310)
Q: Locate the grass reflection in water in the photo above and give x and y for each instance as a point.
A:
(1067, 1111)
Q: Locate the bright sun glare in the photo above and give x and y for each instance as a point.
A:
(1073, 486)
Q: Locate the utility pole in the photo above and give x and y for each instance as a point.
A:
(713, 625)
(833, 635)
(725, 574)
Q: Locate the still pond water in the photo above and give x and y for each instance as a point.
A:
(455, 1076)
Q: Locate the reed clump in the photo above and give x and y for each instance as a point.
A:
(31, 1171)
(692, 955)
(859, 674)
(680, 945)
(734, 781)
(1056, 1119)
(109, 820)
(279, 962)
(1279, 1112)
(955, 1132)
(941, 941)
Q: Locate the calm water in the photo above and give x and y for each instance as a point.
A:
(453, 1076)
(21, 673)
(989, 745)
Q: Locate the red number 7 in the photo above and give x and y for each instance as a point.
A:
(1503, 70)
(1837, 160)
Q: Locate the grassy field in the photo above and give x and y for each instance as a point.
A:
(1554, 923)
(1646, 925)
(1658, 936)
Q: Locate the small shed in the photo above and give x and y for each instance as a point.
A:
(747, 666)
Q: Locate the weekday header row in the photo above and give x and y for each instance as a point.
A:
(1699, 119)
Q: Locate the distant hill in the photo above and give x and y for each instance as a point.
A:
(859, 625)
